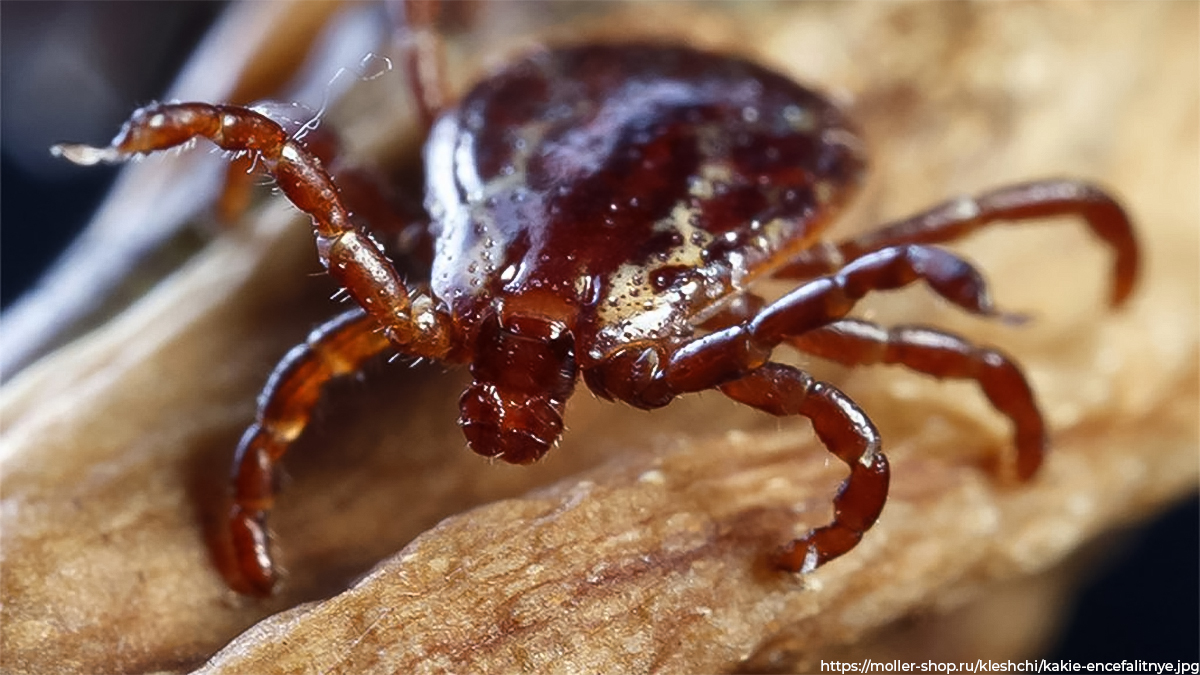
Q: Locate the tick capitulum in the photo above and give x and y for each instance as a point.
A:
(603, 210)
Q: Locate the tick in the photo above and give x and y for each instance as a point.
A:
(605, 211)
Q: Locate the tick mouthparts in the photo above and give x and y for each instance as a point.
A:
(86, 155)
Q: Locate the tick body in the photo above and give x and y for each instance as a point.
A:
(595, 200)
(604, 211)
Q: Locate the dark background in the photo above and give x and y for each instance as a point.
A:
(1146, 606)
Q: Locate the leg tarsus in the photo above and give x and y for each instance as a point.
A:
(846, 432)
(865, 485)
(352, 258)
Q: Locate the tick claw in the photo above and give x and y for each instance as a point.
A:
(86, 155)
(251, 545)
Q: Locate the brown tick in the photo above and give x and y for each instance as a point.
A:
(604, 211)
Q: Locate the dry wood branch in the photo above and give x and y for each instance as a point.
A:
(639, 545)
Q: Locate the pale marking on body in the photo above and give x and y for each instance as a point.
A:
(633, 310)
(704, 182)
(584, 284)
(472, 211)
(465, 171)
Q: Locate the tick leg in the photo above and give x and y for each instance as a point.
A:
(236, 189)
(852, 342)
(367, 195)
(243, 171)
(421, 51)
(1015, 203)
(846, 432)
(352, 258)
(285, 407)
(733, 352)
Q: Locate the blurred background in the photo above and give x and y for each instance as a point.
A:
(75, 70)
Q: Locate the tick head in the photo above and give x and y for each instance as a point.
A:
(524, 371)
(511, 425)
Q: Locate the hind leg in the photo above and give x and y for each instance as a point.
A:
(1013, 204)
(853, 342)
(847, 433)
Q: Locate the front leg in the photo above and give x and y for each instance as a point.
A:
(363, 189)
(352, 258)
(848, 433)
(842, 426)
(285, 406)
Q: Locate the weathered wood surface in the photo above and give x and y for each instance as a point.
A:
(638, 545)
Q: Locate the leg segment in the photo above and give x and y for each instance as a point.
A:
(731, 353)
(735, 359)
(354, 260)
(421, 50)
(243, 171)
(942, 355)
(363, 189)
(959, 217)
(846, 432)
(853, 342)
(285, 407)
